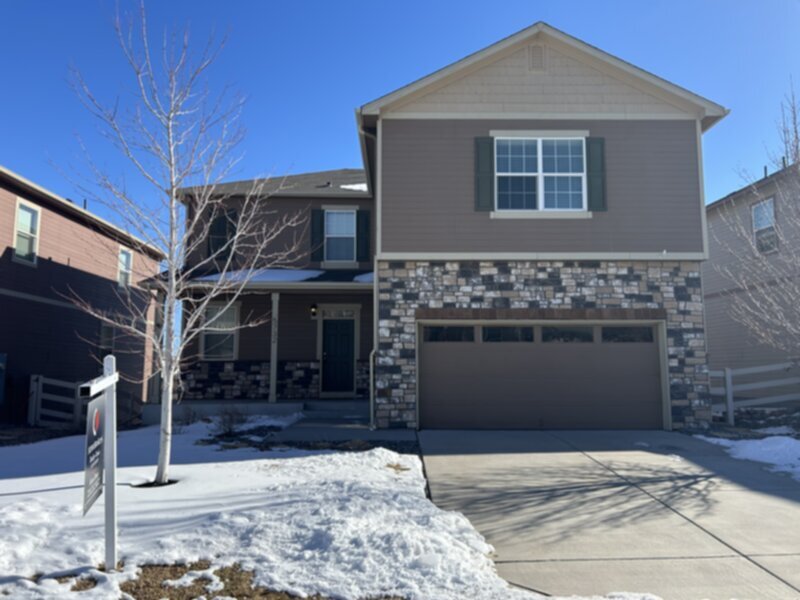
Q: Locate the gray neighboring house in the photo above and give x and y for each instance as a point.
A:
(528, 256)
(756, 209)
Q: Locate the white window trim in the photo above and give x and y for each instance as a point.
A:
(338, 262)
(38, 211)
(235, 333)
(540, 174)
(119, 267)
(771, 200)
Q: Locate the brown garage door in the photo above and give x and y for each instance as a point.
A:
(539, 377)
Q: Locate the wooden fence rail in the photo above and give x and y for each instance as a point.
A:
(729, 387)
(55, 403)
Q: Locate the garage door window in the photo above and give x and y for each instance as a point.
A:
(449, 334)
(627, 334)
(507, 334)
(567, 334)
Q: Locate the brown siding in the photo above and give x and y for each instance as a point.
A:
(299, 237)
(652, 183)
(297, 331)
(55, 339)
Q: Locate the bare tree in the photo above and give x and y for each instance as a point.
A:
(761, 259)
(181, 140)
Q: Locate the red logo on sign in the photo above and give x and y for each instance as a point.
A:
(96, 422)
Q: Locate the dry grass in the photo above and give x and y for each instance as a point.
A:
(397, 467)
(238, 583)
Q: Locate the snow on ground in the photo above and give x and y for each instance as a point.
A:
(346, 525)
(781, 452)
(777, 430)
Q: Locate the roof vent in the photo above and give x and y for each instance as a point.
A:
(327, 184)
(536, 58)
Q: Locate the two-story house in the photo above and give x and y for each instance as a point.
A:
(522, 250)
(55, 252)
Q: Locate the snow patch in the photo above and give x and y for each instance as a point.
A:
(356, 187)
(777, 430)
(264, 275)
(365, 277)
(782, 453)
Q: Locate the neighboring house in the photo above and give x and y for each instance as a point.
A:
(536, 229)
(52, 251)
(753, 211)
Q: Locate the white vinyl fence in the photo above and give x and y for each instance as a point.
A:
(55, 403)
(742, 388)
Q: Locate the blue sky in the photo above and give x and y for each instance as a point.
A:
(305, 66)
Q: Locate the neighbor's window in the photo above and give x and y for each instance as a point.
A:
(507, 334)
(219, 339)
(540, 173)
(567, 334)
(124, 268)
(766, 237)
(628, 334)
(27, 234)
(449, 334)
(340, 235)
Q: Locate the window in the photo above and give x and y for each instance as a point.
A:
(540, 173)
(340, 235)
(124, 267)
(449, 334)
(628, 334)
(567, 334)
(507, 334)
(220, 233)
(26, 243)
(219, 339)
(766, 238)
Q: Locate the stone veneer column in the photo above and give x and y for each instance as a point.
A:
(404, 286)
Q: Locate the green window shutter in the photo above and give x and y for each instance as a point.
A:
(317, 235)
(596, 173)
(362, 236)
(484, 173)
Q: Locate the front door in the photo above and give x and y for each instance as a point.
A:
(338, 349)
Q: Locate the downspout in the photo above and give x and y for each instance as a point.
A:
(372, 353)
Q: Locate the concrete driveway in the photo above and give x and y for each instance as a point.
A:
(583, 512)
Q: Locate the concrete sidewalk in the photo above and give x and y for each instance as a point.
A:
(644, 511)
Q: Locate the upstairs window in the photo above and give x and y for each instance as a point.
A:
(340, 235)
(26, 242)
(220, 233)
(540, 174)
(764, 234)
(124, 268)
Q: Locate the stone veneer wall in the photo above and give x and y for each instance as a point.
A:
(406, 286)
(249, 380)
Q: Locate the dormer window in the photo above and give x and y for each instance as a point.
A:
(540, 174)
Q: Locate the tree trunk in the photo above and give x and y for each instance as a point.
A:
(165, 442)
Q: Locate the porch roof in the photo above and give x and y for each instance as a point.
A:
(294, 278)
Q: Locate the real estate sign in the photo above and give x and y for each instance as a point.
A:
(93, 469)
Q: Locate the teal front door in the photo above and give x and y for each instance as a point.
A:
(338, 349)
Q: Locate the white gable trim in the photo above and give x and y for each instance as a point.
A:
(693, 104)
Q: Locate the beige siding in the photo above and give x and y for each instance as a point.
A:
(652, 189)
(565, 86)
(730, 343)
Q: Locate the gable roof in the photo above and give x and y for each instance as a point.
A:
(338, 183)
(792, 170)
(710, 112)
(83, 215)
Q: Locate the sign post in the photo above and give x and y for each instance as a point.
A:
(101, 451)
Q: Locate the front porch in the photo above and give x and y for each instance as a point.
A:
(312, 341)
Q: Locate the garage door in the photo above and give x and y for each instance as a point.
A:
(493, 376)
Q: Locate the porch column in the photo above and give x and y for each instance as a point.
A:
(273, 349)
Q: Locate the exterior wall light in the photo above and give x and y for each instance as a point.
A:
(313, 310)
